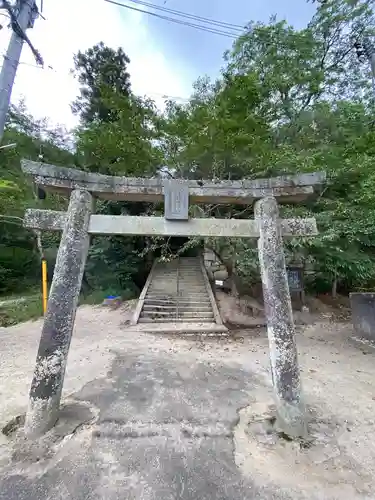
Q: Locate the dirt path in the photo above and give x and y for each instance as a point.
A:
(338, 380)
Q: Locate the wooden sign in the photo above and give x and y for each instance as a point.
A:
(295, 280)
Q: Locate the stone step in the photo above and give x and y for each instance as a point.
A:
(175, 281)
(186, 307)
(181, 303)
(193, 283)
(172, 284)
(182, 307)
(164, 271)
(195, 288)
(194, 300)
(172, 277)
(195, 277)
(178, 297)
(198, 275)
(180, 272)
(182, 299)
(174, 294)
(180, 315)
(190, 270)
(184, 266)
(197, 272)
(181, 291)
(180, 276)
(183, 294)
(189, 263)
(184, 329)
(173, 320)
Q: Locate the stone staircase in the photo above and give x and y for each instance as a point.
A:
(177, 297)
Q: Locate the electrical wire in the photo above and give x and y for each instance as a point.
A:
(27, 64)
(207, 20)
(177, 21)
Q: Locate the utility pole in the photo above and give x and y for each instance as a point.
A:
(22, 17)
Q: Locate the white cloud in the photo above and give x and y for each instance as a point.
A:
(74, 25)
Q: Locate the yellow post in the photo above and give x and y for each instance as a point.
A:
(44, 285)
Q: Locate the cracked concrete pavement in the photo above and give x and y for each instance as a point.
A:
(164, 429)
(151, 417)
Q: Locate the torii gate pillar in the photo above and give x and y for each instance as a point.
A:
(47, 383)
(290, 409)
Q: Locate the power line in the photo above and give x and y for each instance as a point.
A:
(177, 21)
(50, 68)
(207, 20)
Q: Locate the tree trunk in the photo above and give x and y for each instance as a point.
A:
(334, 287)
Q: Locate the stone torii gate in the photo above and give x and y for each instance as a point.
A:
(80, 221)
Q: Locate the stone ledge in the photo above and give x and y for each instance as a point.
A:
(133, 225)
(291, 188)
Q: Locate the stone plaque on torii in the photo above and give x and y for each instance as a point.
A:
(80, 221)
(176, 200)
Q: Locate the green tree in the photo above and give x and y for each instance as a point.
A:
(297, 68)
(290, 101)
(125, 146)
(34, 140)
(119, 135)
(99, 69)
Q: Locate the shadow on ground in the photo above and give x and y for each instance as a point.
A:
(163, 430)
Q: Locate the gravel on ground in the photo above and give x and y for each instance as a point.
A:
(338, 381)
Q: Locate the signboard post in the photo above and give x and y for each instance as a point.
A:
(295, 282)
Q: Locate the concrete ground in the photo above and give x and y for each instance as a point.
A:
(153, 417)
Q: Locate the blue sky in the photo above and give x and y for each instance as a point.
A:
(199, 52)
(166, 58)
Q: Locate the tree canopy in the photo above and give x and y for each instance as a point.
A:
(100, 69)
(286, 101)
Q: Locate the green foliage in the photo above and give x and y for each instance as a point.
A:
(14, 311)
(287, 101)
(19, 256)
(218, 134)
(125, 145)
(292, 101)
(118, 136)
(100, 69)
(113, 264)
